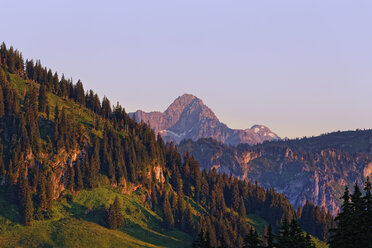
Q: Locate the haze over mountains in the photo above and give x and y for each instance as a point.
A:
(189, 118)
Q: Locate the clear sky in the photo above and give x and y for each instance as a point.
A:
(301, 67)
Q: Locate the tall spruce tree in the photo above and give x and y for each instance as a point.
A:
(111, 217)
(188, 221)
(118, 213)
(358, 218)
(78, 175)
(154, 197)
(202, 241)
(41, 194)
(43, 99)
(168, 213)
(367, 225)
(242, 210)
(79, 93)
(270, 238)
(2, 164)
(342, 235)
(296, 236)
(49, 186)
(70, 178)
(235, 201)
(252, 240)
(2, 103)
(26, 205)
(284, 236)
(115, 218)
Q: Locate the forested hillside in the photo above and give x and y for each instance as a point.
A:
(310, 169)
(75, 170)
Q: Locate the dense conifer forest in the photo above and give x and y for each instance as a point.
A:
(354, 223)
(49, 151)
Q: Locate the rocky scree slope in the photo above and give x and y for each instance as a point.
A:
(189, 118)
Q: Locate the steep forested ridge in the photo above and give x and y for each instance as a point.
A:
(310, 169)
(65, 155)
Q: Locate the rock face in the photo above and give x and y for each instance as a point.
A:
(315, 175)
(188, 118)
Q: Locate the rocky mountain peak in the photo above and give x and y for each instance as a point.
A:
(189, 118)
(186, 105)
(180, 104)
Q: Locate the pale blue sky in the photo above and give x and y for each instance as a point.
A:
(300, 67)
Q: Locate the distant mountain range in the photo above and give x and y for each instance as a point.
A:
(314, 169)
(189, 118)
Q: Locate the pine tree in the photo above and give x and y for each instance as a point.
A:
(252, 240)
(25, 201)
(41, 197)
(111, 170)
(111, 217)
(56, 115)
(367, 225)
(47, 111)
(354, 222)
(70, 180)
(154, 198)
(92, 172)
(188, 221)
(43, 99)
(284, 236)
(295, 235)
(202, 241)
(242, 210)
(115, 218)
(222, 243)
(235, 197)
(180, 209)
(78, 175)
(2, 104)
(3, 80)
(106, 107)
(63, 88)
(118, 213)
(173, 202)
(167, 211)
(41, 193)
(2, 165)
(10, 175)
(358, 218)
(79, 93)
(32, 119)
(208, 242)
(342, 235)
(270, 238)
(49, 191)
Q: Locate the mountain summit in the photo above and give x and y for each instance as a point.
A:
(189, 118)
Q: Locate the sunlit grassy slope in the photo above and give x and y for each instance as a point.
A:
(78, 221)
